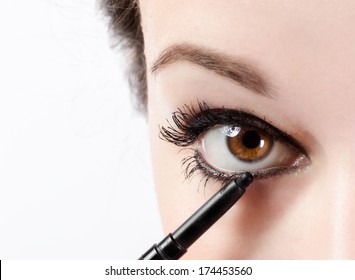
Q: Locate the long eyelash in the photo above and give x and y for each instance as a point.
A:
(194, 165)
(190, 123)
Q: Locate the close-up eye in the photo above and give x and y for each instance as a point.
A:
(228, 142)
(232, 148)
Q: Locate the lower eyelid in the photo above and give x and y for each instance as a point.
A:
(195, 164)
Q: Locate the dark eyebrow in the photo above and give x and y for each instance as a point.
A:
(238, 70)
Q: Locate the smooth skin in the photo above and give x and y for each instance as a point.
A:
(306, 50)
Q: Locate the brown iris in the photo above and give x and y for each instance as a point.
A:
(250, 145)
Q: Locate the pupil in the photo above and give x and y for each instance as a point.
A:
(251, 139)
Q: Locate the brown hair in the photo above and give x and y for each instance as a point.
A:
(125, 24)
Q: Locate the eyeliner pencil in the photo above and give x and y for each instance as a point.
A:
(175, 244)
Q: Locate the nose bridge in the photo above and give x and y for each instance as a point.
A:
(339, 184)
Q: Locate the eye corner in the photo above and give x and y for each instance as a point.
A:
(302, 161)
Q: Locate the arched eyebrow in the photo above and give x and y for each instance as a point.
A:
(238, 70)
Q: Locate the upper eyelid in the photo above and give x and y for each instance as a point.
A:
(189, 120)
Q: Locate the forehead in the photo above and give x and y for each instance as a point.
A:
(249, 26)
(306, 47)
(287, 38)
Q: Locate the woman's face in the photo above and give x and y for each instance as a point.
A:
(292, 64)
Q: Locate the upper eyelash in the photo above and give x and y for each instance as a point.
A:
(190, 123)
(187, 130)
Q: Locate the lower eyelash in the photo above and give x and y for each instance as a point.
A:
(194, 165)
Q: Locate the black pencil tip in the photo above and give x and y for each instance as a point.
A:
(244, 180)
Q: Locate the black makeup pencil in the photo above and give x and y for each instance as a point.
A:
(175, 244)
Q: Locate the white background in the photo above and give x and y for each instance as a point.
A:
(75, 174)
